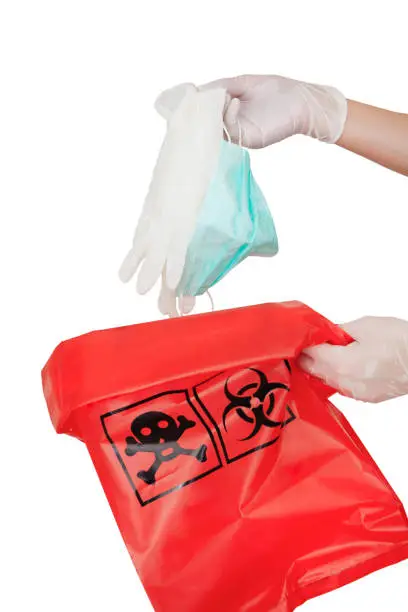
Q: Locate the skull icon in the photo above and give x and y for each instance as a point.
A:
(255, 402)
(158, 433)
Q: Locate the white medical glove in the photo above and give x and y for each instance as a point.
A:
(374, 368)
(185, 166)
(170, 304)
(271, 108)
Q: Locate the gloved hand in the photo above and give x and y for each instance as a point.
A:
(374, 368)
(271, 108)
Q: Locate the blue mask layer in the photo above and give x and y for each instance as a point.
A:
(234, 222)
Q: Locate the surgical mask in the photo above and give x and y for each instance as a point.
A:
(234, 222)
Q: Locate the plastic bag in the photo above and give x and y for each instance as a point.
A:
(235, 483)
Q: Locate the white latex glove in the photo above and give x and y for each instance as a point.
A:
(183, 171)
(374, 368)
(272, 108)
(171, 305)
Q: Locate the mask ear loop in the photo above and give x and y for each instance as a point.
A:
(227, 133)
(239, 134)
(211, 300)
(179, 313)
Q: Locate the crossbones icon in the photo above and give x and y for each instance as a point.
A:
(254, 403)
(158, 433)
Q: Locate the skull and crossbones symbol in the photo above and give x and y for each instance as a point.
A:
(158, 433)
(254, 403)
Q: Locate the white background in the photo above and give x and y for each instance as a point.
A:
(79, 138)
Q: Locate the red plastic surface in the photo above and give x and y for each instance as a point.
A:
(236, 484)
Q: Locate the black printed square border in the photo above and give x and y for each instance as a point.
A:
(145, 502)
(229, 459)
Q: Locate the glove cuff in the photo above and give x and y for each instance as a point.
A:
(326, 112)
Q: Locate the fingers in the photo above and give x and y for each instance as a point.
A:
(235, 125)
(152, 266)
(326, 356)
(163, 301)
(130, 265)
(332, 364)
(170, 305)
(339, 367)
(235, 86)
(231, 116)
(323, 372)
(186, 304)
(231, 113)
(167, 302)
(176, 260)
(306, 363)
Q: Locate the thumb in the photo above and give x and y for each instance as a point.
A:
(231, 121)
(324, 361)
(232, 101)
(306, 363)
(232, 111)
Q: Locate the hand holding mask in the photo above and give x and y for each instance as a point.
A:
(208, 212)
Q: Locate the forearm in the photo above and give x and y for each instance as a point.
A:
(377, 134)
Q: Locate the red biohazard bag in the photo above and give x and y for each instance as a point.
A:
(236, 484)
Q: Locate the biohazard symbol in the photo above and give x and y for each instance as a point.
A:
(158, 433)
(254, 403)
